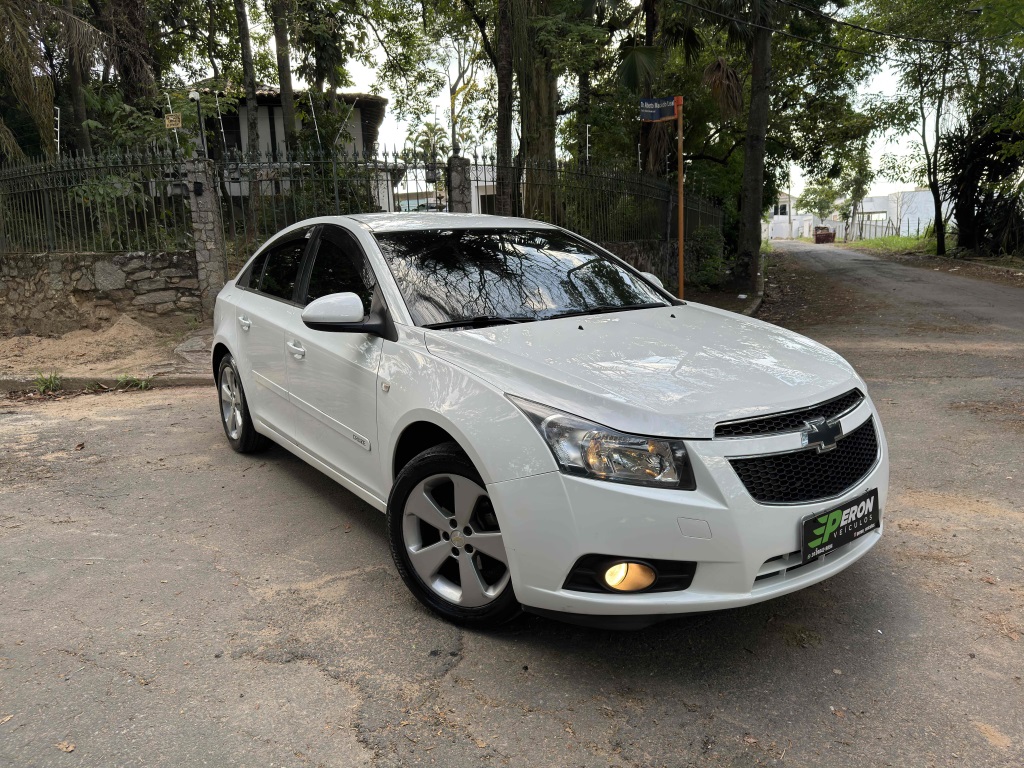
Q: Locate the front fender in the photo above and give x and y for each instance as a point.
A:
(497, 437)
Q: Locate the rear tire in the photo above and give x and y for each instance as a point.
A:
(234, 410)
(446, 541)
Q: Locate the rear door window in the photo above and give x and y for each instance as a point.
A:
(282, 270)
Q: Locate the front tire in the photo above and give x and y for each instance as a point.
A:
(446, 541)
(234, 410)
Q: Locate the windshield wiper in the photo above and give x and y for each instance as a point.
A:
(601, 309)
(478, 321)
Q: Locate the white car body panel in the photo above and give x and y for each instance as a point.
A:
(671, 372)
(344, 404)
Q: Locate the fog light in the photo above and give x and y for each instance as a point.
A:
(629, 577)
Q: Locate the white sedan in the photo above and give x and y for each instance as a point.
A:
(545, 427)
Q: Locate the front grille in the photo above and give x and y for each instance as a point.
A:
(805, 476)
(791, 421)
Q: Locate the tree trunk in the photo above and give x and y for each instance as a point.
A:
(82, 140)
(278, 10)
(940, 222)
(539, 106)
(505, 183)
(248, 77)
(752, 188)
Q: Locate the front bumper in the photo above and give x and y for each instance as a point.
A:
(743, 550)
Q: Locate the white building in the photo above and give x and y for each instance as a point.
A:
(907, 212)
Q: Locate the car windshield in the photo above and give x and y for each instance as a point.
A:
(506, 275)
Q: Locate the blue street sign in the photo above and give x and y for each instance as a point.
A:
(656, 110)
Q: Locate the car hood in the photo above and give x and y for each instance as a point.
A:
(671, 372)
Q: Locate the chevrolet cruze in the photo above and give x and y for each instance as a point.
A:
(545, 427)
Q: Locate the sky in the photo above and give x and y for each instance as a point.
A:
(393, 131)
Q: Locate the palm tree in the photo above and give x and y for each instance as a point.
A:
(26, 70)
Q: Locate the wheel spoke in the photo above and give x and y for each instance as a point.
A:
(466, 495)
(426, 509)
(226, 393)
(236, 418)
(427, 560)
(473, 588)
(490, 544)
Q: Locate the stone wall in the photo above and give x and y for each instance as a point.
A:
(55, 293)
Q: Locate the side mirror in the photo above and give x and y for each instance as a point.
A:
(343, 313)
(654, 279)
(334, 310)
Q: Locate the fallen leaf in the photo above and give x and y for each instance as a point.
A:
(66, 746)
(988, 580)
(80, 446)
(481, 743)
(750, 740)
(6, 719)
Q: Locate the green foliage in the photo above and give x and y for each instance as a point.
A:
(128, 381)
(820, 198)
(46, 384)
(896, 244)
(705, 248)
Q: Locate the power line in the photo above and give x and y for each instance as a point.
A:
(881, 33)
(851, 25)
(784, 33)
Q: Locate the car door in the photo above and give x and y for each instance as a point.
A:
(333, 376)
(263, 309)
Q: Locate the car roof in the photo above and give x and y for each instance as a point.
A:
(404, 222)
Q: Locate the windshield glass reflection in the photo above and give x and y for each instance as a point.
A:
(513, 274)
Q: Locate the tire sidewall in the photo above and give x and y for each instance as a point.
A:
(444, 459)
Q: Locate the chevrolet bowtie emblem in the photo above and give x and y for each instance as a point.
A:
(821, 434)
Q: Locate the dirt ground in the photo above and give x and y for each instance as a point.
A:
(167, 602)
(126, 347)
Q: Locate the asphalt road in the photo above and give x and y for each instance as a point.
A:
(166, 602)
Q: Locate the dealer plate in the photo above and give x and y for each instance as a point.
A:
(827, 531)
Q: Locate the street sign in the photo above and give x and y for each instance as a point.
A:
(172, 120)
(656, 110)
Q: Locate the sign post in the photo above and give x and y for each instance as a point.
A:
(660, 110)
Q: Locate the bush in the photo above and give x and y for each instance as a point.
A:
(704, 249)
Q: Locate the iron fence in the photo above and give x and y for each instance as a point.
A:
(262, 195)
(141, 201)
(100, 203)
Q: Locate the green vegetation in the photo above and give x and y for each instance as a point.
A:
(894, 244)
(46, 384)
(127, 381)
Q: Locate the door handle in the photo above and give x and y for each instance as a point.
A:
(297, 350)
(245, 322)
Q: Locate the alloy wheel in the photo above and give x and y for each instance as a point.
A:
(231, 403)
(454, 545)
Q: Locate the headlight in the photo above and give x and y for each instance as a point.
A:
(590, 450)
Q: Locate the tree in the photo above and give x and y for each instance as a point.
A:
(30, 27)
(820, 198)
(248, 77)
(278, 10)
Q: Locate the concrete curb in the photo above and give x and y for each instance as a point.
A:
(755, 305)
(78, 383)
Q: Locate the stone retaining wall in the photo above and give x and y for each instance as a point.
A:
(55, 293)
